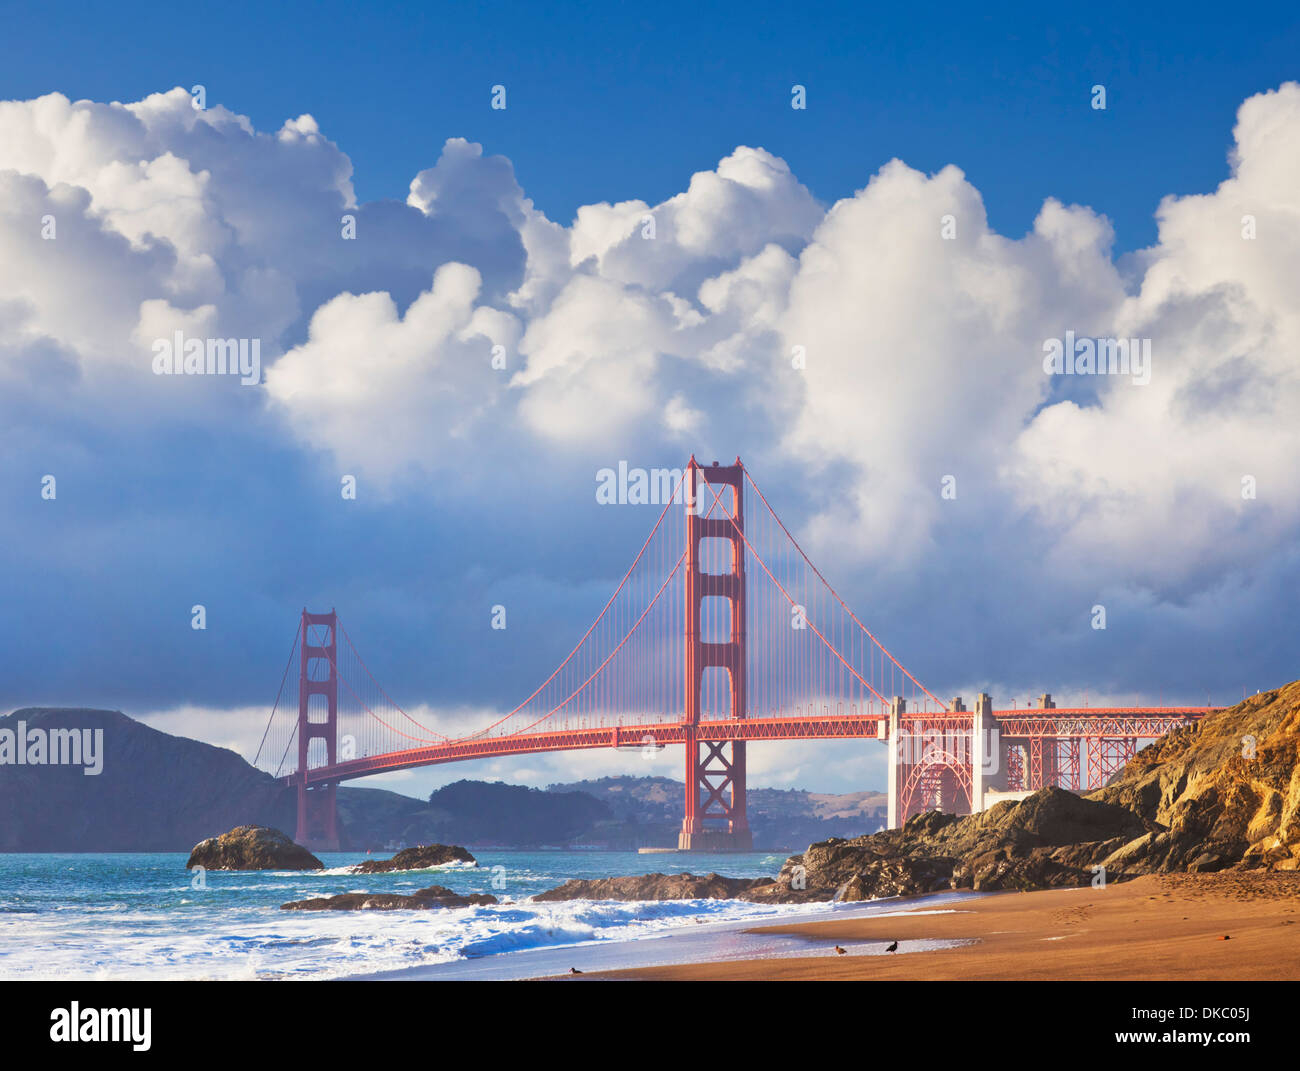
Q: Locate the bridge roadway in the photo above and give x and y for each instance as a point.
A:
(1142, 723)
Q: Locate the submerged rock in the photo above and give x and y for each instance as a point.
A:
(421, 857)
(654, 887)
(252, 848)
(422, 900)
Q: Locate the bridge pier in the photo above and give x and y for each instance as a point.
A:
(317, 817)
(720, 778)
(988, 753)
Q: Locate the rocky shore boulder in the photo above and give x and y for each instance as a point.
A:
(423, 900)
(1052, 838)
(252, 848)
(682, 886)
(421, 857)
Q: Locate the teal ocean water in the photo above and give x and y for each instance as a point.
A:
(116, 916)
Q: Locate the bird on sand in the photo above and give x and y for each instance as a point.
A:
(892, 948)
(840, 951)
(574, 970)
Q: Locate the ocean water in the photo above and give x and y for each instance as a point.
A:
(140, 916)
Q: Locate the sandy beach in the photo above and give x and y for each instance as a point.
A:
(1165, 926)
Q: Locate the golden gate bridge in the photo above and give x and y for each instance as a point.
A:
(721, 633)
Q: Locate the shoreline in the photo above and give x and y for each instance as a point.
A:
(740, 940)
(1156, 927)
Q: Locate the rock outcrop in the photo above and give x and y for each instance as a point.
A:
(252, 848)
(421, 857)
(423, 900)
(655, 887)
(1222, 793)
(1052, 838)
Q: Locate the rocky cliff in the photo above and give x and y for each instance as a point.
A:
(1221, 793)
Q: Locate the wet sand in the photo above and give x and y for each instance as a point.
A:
(1165, 926)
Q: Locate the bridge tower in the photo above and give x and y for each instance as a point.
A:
(715, 771)
(317, 812)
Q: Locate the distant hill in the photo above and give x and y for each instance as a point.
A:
(155, 792)
(159, 792)
(481, 812)
(651, 809)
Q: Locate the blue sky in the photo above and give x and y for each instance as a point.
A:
(476, 489)
(652, 94)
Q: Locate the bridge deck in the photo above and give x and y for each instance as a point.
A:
(1143, 723)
